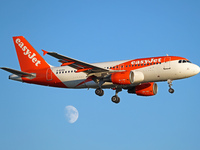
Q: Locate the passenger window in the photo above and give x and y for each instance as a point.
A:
(68, 71)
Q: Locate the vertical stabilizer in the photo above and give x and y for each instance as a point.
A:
(29, 58)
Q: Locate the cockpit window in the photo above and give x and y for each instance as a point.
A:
(184, 61)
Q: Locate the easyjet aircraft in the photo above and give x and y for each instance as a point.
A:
(137, 76)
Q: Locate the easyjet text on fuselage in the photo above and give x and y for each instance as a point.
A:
(152, 60)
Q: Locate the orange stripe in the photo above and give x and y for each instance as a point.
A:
(145, 62)
(67, 63)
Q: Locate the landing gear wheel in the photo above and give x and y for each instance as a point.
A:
(115, 99)
(171, 90)
(170, 86)
(102, 93)
(99, 92)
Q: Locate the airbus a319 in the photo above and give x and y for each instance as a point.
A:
(137, 76)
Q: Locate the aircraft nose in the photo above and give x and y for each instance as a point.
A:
(196, 69)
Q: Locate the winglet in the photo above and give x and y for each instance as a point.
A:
(44, 52)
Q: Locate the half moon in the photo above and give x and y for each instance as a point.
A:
(71, 114)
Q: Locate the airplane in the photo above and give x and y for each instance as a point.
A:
(137, 76)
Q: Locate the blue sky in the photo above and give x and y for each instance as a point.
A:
(32, 117)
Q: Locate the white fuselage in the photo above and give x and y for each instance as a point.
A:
(172, 70)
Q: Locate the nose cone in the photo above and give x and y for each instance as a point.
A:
(198, 70)
(195, 69)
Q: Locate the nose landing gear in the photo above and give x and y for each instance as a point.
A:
(171, 90)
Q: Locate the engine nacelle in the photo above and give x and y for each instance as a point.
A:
(145, 89)
(127, 77)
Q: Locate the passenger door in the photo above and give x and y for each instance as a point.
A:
(167, 61)
(49, 74)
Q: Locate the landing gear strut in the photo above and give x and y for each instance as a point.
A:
(99, 90)
(115, 98)
(171, 90)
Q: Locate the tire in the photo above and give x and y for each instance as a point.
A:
(115, 99)
(171, 90)
(102, 93)
(99, 92)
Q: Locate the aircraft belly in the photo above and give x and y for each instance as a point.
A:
(91, 84)
(75, 84)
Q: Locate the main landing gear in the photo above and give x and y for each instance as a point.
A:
(99, 92)
(115, 98)
(171, 90)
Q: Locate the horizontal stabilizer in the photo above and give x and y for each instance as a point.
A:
(19, 73)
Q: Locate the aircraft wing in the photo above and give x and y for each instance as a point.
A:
(19, 73)
(77, 64)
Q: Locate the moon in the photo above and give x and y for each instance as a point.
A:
(71, 114)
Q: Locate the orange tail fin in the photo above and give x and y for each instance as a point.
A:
(29, 58)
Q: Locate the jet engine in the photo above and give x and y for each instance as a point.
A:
(145, 89)
(127, 77)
